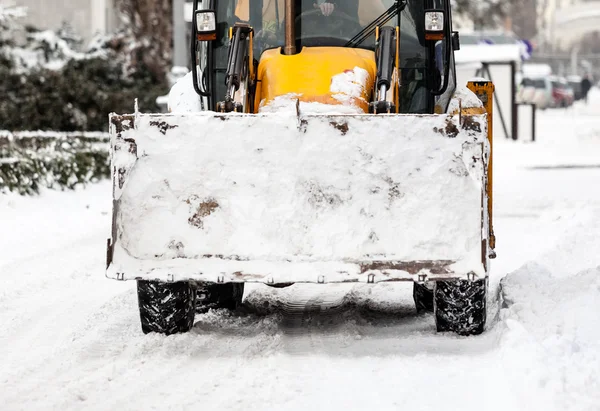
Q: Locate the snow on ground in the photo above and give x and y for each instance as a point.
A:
(71, 339)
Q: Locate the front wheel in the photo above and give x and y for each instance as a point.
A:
(423, 296)
(212, 295)
(166, 308)
(460, 306)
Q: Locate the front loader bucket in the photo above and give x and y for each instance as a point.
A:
(298, 198)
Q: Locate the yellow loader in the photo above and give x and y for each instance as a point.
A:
(312, 142)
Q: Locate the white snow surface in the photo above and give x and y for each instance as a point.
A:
(182, 96)
(71, 338)
(463, 98)
(488, 53)
(349, 85)
(336, 189)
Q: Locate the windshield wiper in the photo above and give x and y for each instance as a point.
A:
(386, 16)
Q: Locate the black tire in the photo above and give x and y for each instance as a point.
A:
(166, 308)
(423, 296)
(460, 306)
(211, 295)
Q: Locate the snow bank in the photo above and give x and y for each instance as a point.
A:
(309, 190)
(552, 345)
(33, 159)
(182, 96)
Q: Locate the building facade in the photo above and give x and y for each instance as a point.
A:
(86, 17)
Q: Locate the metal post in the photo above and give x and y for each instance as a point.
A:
(180, 50)
(513, 97)
(290, 28)
(534, 110)
(486, 68)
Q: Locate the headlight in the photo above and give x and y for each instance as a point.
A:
(434, 24)
(206, 25)
(205, 21)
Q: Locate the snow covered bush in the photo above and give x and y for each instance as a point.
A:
(32, 160)
(51, 83)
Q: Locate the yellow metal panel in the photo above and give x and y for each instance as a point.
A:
(485, 91)
(309, 73)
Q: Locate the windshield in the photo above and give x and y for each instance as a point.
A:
(319, 26)
(536, 83)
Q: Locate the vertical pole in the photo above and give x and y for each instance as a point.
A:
(513, 97)
(534, 111)
(180, 51)
(489, 75)
(484, 90)
(290, 28)
(575, 60)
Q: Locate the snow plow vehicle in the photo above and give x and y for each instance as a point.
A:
(310, 143)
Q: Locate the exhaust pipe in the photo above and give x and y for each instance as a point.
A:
(290, 28)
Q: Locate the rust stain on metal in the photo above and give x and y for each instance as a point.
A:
(121, 176)
(132, 146)
(303, 125)
(411, 267)
(163, 126)
(342, 127)
(471, 125)
(451, 129)
(122, 122)
(205, 208)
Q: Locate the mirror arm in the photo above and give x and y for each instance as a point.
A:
(387, 15)
(193, 49)
(447, 57)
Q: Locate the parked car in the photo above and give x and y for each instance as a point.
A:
(575, 83)
(562, 93)
(536, 90)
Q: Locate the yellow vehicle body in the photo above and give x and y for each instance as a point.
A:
(308, 75)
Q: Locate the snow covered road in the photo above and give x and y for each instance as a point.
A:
(70, 339)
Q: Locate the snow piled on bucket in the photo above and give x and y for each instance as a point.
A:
(289, 104)
(349, 85)
(328, 190)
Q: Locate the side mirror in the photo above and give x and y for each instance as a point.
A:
(455, 41)
(206, 25)
(440, 39)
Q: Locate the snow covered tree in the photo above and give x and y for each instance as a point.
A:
(485, 14)
(9, 23)
(9, 16)
(148, 35)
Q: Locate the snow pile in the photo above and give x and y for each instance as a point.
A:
(551, 349)
(463, 98)
(182, 96)
(291, 104)
(548, 217)
(283, 188)
(349, 87)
